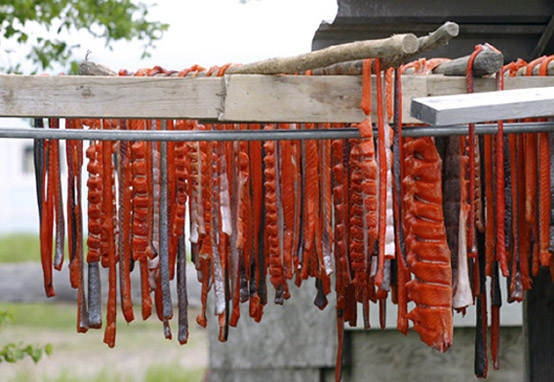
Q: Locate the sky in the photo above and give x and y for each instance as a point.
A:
(211, 32)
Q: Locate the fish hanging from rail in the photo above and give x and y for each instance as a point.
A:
(385, 217)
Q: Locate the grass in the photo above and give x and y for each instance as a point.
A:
(172, 372)
(47, 315)
(20, 247)
(141, 353)
(65, 375)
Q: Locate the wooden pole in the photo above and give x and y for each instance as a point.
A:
(433, 40)
(395, 46)
(89, 68)
(487, 62)
(535, 71)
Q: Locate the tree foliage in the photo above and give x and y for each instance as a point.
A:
(109, 20)
(13, 352)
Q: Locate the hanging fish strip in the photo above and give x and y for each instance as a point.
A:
(422, 222)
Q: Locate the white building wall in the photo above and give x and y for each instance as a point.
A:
(18, 205)
(18, 201)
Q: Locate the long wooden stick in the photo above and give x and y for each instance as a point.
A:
(440, 36)
(89, 68)
(487, 62)
(397, 45)
(535, 72)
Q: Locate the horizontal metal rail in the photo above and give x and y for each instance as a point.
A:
(257, 135)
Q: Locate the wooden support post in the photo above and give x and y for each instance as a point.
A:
(538, 329)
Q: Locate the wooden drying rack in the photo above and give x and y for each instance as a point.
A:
(263, 98)
(251, 98)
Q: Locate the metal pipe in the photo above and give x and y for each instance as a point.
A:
(256, 135)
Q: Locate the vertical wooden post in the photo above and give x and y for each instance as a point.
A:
(538, 329)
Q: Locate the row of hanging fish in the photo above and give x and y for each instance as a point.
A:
(419, 219)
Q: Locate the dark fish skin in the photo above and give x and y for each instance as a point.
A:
(262, 286)
(243, 281)
(480, 361)
(508, 232)
(182, 298)
(497, 294)
(496, 303)
(94, 296)
(71, 215)
(451, 198)
(397, 182)
(508, 194)
(38, 157)
(320, 299)
(83, 311)
(164, 244)
(302, 167)
(386, 276)
(551, 141)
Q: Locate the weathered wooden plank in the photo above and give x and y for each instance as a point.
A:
(248, 98)
(486, 106)
(445, 85)
(307, 99)
(139, 97)
(293, 98)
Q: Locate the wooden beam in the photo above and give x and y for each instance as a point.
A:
(234, 98)
(482, 107)
(293, 99)
(111, 97)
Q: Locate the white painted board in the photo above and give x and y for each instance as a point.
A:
(483, 107)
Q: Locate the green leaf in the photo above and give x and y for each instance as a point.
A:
(110, 20)
(34, 353)
(12, 353)
(48, 349)
(5, 315)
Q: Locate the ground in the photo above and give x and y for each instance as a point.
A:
(141, 353)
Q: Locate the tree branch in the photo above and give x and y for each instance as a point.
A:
(395, 46)
(440, 36)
